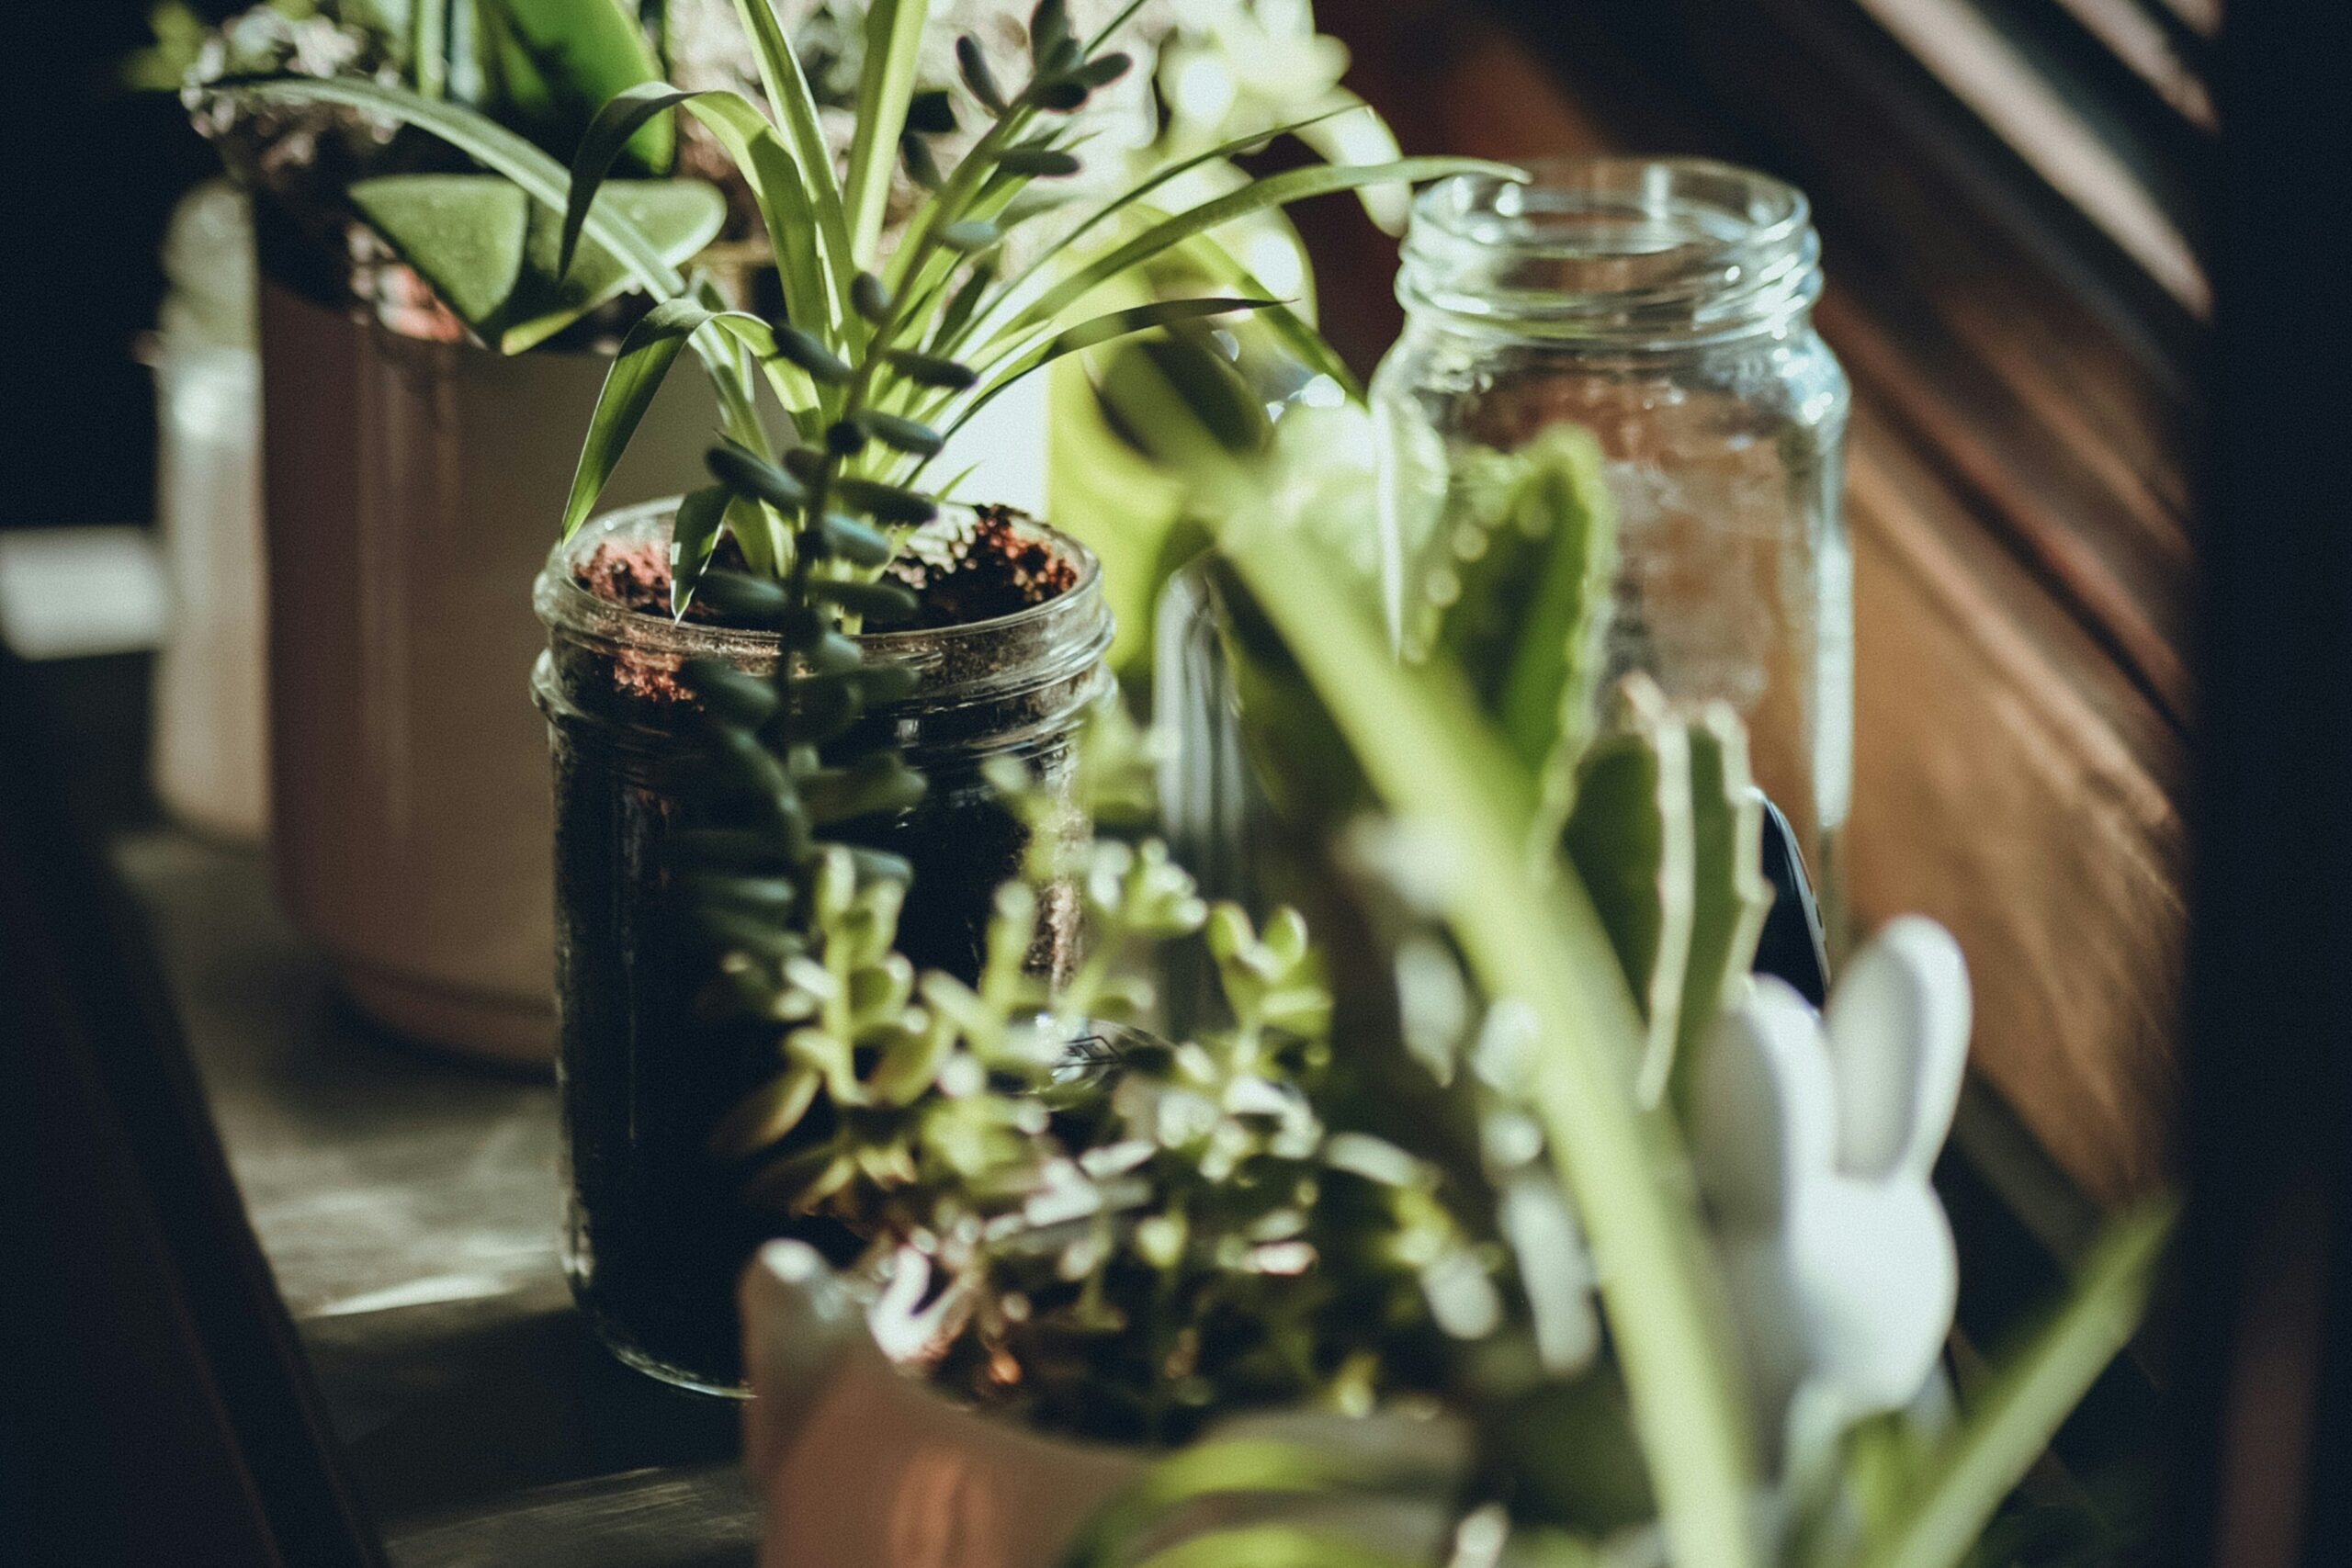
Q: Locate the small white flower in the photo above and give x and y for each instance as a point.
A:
(1814, 1140)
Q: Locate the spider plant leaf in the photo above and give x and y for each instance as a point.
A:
(549, 64)
(1275, 191)
(886, 503)
(620, 122)
(645, 357)
(885, 88)
(1208, 254)
(1103, 213)
(796, 107)
(693, 539)
(786, 202)
(974, 66)
(1126, 14)
(1102, 329)
(2032, 1389)
(747, 474)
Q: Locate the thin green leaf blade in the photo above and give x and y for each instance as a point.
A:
(1277, 190)
(885, 88)
(1100, 330)
(796, 106)
(645, 357)
(693, 539)
(2028, 1396)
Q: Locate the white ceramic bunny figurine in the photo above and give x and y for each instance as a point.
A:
(1813, 1138)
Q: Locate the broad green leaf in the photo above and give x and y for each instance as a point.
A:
(551, 63)
(463, 233)
(1536, 939)
(884, 86)
(1630, 840)
(645, 357)
(1276, 190)
(489, 251)
(2032, 1391)
(1225, 1467)
(796, 108)
(490, 143)
(1276, 1546)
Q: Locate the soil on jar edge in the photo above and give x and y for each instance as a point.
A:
(658, 1230)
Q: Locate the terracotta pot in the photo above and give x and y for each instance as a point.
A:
(859, 1463)
(411, 489)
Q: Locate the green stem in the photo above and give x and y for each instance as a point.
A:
(429, 46)
(1538, 942)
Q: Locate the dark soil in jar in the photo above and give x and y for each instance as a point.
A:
(658, 1230)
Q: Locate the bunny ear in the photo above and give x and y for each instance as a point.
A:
(1898, 1043)
(1765, 1112)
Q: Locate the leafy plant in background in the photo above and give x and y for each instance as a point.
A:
(538, 68)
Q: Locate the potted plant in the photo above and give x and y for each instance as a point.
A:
(422, 372)
(737, 755)
(1512, 1221)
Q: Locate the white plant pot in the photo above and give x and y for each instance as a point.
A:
(411, 490)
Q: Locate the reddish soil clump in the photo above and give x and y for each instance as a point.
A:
(976, 566)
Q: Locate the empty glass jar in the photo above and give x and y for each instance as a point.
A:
(1665, 305)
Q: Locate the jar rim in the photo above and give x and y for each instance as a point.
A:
(1033, 646)
(1620, 249)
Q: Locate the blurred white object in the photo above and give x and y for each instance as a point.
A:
(1814, 1140)
(1004, 448)
(210, 751)
(79, 592)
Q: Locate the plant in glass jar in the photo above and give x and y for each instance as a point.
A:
(1512, 1221)
(725, 716)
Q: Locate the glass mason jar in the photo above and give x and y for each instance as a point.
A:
(1665, 305)
(657, 1229)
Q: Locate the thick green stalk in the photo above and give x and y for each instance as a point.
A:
(1538, 942)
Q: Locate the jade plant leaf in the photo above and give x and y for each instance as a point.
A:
(551, 63)
(1517, 590)
(1729, 895)
(1631, 840)
(489, 251)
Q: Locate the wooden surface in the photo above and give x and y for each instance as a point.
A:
(2016, 497)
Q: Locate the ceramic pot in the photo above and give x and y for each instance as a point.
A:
(860, 1463)
(409, 488)
(657, 1228)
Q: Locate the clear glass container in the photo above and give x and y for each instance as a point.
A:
(657, 1230)
(1665, 305)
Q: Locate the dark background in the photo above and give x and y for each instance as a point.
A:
(92, 171)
